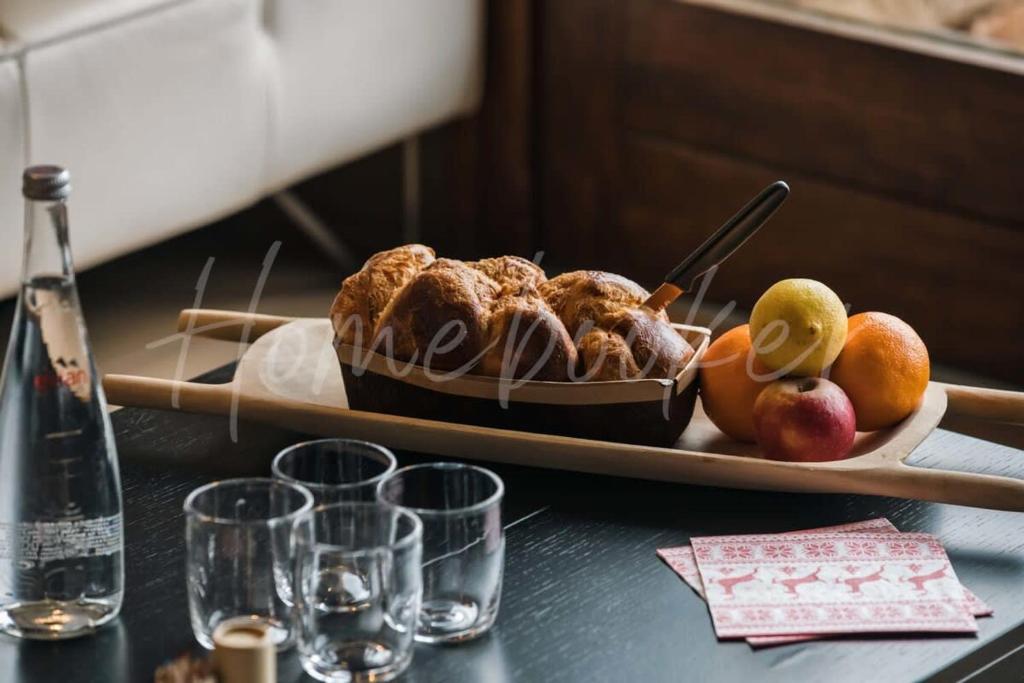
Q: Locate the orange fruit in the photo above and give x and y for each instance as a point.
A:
(883, 368)
(728, 387)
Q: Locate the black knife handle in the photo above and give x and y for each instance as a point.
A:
(730, 236)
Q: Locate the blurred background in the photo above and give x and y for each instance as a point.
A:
(607, 134)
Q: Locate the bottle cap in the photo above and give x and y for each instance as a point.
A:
(46, 182)
(243, 652)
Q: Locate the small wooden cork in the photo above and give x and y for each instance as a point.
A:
(243, 652)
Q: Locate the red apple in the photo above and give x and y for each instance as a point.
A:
(805, 419)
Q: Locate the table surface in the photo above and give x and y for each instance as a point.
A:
(585, 597)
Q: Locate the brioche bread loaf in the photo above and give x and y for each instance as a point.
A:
(618, 337)
(364, 295)
(441, 316)
(502, 317)
(527, 340)
(513, 274)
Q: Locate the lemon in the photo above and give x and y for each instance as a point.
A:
(798, 327)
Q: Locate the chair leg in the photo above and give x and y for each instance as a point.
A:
(320, 233)
(411, 190)
(311, 225)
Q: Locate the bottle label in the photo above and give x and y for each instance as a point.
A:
(62, 334)
(39, 542)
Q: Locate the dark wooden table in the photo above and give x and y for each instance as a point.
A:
(585, 598)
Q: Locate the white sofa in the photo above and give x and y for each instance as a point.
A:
(172, 113)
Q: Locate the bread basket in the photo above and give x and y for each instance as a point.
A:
(642, 411)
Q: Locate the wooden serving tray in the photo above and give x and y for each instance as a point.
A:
(290, 377)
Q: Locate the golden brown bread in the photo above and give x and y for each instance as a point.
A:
(618, 338)
(502, 317)
(584, 295)
(658, 350)
(604, 357)
(364, 295)
(527, 340)
(439, 319)
(514, 274)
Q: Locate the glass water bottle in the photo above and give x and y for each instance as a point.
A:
(61, 538)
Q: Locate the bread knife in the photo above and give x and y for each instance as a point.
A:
(720, 246)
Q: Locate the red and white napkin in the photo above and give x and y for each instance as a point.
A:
(865, 577)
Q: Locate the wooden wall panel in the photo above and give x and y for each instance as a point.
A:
(897, 123)
(957, 281)
(509, 121)
(580, 127)
(480, 173)
(657, 119)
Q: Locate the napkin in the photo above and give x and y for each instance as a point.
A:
(792, 591)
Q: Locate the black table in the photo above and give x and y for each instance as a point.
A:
(585, 597)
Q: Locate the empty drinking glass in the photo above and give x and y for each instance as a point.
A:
(240, 537)
(463, 545)
(335, 470)
(358, 591)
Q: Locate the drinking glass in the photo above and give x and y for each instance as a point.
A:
(240, 555)
(358, 591)
(335, 470)
(463, 545)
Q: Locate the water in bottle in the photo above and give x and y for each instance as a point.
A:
(61, 538)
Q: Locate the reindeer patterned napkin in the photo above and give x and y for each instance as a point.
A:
(829, 583)
(682, 561)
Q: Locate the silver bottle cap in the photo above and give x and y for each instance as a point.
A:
(46, 182)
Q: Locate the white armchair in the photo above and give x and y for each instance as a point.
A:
(172, 113)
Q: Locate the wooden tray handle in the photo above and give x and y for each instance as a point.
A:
(986, 404)
(213, 323)
(168, 394)
(943, 486)
(897, 479)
